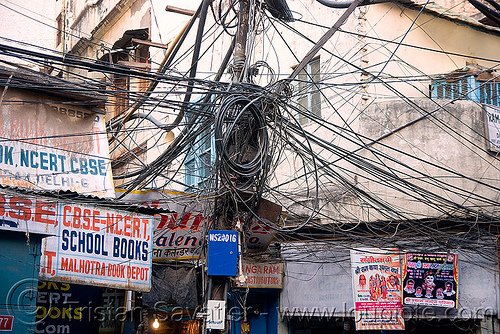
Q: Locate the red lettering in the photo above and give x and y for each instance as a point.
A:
(110, 223)
(260, 228)
(95, 220)
(86, 219)
(171, 223)
(196, 223)
(136, 225)
(163, 222)
(126, 226)
(76, 217)
(67, 209)
(146, 223)
(48, 268)
(45, 209)
(2, 205)
(20, 208)
(184, 221)
(118, 231)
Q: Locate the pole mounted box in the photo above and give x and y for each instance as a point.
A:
(222, 253)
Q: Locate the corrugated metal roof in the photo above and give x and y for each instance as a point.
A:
(84, 199)
(445, 13)
(21, 77)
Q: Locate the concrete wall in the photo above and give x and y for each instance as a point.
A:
(318, 282)
(405, 70)
(443, 154)
(31, 22)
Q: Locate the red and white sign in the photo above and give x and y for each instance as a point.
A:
(178, 236)
(376, 277)
(6, 322)
(263, 275)
(99, 246)
(27, 214)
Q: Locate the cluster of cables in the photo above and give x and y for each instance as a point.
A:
(241, 141)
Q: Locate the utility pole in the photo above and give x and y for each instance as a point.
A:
(241, 41)
(218, 286)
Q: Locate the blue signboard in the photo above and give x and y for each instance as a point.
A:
(222, 253)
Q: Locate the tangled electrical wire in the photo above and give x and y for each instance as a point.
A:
(241, 141)
(330, 178)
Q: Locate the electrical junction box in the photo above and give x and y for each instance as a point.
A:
(216, 316)
(222, 253)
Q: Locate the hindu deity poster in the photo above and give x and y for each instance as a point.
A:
(377, 289)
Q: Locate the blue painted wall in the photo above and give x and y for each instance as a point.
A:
(19, 263)
(262, 311)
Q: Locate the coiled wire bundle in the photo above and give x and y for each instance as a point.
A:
(241, 141)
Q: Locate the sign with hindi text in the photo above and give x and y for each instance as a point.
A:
(377, 289)
(430, 279)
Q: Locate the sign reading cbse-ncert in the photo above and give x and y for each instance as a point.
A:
(99, 246)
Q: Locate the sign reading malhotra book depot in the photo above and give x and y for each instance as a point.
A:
(86, 244)
(51, 146)
(377, 289)
(97, 246)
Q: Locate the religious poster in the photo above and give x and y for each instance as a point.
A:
(377, 289)
(430, 279)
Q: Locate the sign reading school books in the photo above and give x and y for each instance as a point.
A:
(53, 146)
(98, 246)
(377, 289)
(430, 279)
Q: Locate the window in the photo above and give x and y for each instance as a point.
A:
(199, 161)
(121, 96)
(309, 96)
(481, 88)
(59, 32)
(128, 52)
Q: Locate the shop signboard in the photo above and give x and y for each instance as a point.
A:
(53, 146)
(493, 127)
(68, 308)
(262, 275)
(28, 214)
(99, 246)
(377, 289)
(216, 314)
(430, 279)
(178, 235)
